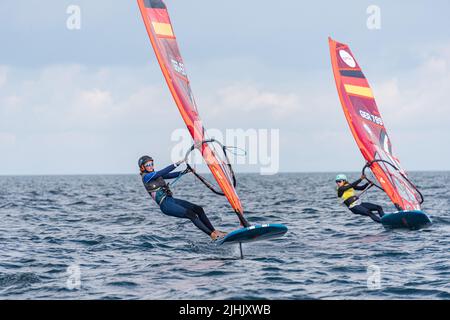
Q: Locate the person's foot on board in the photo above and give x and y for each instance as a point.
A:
(221, 233)
(216, 235)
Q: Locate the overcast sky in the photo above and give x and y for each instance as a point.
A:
(93, 100)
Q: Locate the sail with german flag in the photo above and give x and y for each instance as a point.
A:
(369, 132)
(162, 37)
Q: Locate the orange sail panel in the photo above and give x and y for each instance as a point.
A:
(162, 37)
(368, 129)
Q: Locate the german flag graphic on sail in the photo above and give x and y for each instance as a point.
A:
(162, 37)
(163, 29)
(360, 91)
(364, 118)
(354, 81)
(159, 18)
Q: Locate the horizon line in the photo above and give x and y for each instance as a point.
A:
(206, 172)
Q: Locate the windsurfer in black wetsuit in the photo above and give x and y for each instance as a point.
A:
(156, 186)
(346, 191)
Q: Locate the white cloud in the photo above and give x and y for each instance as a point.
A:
(93, 106)
(77, 98)
(77, 110)
(420, 97)
(248, 99)
(96, 98)
(72, 111)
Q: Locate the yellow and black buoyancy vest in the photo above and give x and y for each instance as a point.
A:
(349, 197)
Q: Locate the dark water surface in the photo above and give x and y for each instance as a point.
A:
(124, 248)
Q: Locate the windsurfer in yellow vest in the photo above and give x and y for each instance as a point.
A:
(346, 191)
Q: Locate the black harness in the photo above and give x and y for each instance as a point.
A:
(351, 200)
(160, 187)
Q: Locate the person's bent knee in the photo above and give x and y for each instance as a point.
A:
(199, 209)
(191, 215)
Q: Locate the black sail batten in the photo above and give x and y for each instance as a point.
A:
(412, 185)
(154, 4)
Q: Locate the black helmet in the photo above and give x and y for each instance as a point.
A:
(143, 160)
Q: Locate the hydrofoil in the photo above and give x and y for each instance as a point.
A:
(253, 233)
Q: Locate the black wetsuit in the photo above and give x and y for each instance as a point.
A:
(352, 201)
(160, 192)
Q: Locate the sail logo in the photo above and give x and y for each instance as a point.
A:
(347, 58)
(178, 67)
(371, 117)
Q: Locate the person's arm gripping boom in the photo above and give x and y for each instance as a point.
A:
(358, 187)
(165, 173)
(354, 185)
